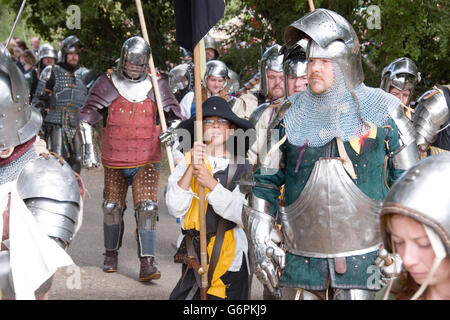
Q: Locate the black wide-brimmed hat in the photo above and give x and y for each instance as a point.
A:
(218, 107)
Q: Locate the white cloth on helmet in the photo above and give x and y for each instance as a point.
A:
(319, 118)
(34, 257)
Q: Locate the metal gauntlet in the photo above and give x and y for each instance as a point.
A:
(266, 258)
(390, 266)
(431, 113)
(169, 136)
(89, 157)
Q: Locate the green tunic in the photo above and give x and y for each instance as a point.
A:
(315, 273)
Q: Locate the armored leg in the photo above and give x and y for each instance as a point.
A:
(114, 196)
(55, 139)
(75, 157)
(145, 192)
(146, 214)
(113, 225)
(145, 188)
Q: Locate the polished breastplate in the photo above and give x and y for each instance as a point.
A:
(332, 217)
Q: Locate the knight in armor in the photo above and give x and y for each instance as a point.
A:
(61, 92)
(431, 120)
(214, 83)
(295, 70)
(272, 85)
(295, 80)
(124, 100)
(336, 147)
(181, 80)
(212, 53)
(400, 78)
(40, 196)
(415, 224)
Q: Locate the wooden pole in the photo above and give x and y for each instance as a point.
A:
(201, 190)
(311, 5)
(162, 117)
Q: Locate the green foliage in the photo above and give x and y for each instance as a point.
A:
(415, 29)
(104, 26)
(418, 29)
(7, 17)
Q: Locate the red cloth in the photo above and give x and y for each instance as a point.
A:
(131, 136)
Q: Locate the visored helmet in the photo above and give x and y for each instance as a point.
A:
(19, 122)
(135, 51)
(331, 37)
(71, 44)
(273, 60)
(402, 74)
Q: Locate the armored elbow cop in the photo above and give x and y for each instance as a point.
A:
(407, 155)
(431, 113)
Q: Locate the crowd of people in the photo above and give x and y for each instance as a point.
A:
(311, 178)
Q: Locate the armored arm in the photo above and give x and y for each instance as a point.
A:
(89, 157)
(172, 111)
(407, 154)
(431, 114)
(262, 189)
(100, 97)
(266, 258)
(51, 192)
(43, 93)
(88, 77)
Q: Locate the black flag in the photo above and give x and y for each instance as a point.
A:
(194, 18)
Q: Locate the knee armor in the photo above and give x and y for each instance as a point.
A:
(146, 213)
(113, 213)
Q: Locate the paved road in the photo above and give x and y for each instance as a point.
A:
(87, 281)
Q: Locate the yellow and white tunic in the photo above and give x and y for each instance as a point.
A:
(228, 204)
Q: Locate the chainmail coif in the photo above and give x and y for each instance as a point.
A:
(322, 117)
(10, 171)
